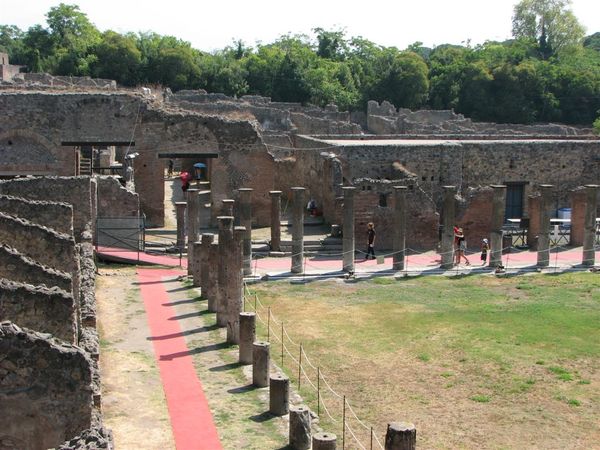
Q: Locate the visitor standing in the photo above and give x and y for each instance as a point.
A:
(370, 240)
(462, 247)
(485, 248)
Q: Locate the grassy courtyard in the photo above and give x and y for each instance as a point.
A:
(474, 362)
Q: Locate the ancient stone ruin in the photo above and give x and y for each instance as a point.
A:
(49, 378)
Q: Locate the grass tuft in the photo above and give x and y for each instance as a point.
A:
(480, 398)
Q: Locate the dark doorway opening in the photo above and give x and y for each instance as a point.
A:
(514, 200)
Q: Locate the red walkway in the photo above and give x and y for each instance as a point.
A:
(191, 419)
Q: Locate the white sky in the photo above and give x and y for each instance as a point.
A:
(213, 24)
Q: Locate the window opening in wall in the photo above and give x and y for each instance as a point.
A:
(368, 188)
(383, 200)
(514, 200)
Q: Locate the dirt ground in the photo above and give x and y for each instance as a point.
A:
(134, 404)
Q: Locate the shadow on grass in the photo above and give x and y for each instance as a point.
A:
(182, 333)
(191, 315)
(225, 367)
(195, 351)
(262, 417)
(242, 389)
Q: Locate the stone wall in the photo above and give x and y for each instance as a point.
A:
(45, 390)
(385, 119)
(79, 192)
(48, 310)
(50, 248)
(54, 215)
(116, 201)
(17, 267)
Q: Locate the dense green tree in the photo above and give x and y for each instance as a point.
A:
(331, 44)
(550, 23)
(592, 41)
(118, 58)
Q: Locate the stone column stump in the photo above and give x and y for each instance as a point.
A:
(247, 336)
(245, 208)
(589, 226)
(261, 361)
(206, 264)
(324, 441)
(498, 208)
(196, 266)
(400, 436)
(213, 278)
(348, 242)
(399, 246)
(448, 213)
(298, 230)
(180, 214)
(300, 433)
(543, 249)
(279, 394)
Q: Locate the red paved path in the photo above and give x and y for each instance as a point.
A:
(191, 419)
(425, 261)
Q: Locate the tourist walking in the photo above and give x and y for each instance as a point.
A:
(370, 240)
(461, 247)
(485, 248)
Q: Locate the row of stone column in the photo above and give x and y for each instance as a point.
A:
(541, 223)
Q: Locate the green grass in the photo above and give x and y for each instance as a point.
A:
(480, 398)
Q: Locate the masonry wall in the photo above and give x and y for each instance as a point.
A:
(48, 310)
(116, 201)
(45, 397)
(16, 267)
(54, 215)
(75, 191)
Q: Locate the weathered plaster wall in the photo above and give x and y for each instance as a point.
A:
(39, 308)
(45, 389)
(54, 215)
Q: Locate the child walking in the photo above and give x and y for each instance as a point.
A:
(485, 248)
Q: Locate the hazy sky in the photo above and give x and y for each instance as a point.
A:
(210, 25)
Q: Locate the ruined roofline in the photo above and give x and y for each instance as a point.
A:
(454, 137)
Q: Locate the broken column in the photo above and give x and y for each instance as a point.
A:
(447, 247)
(191, 223)
(204, 209)
(180, 214)
(226, 245)
(578, 205)
(227, 207)
(589, 233)
(324, 441)
(348, 244)
(498, 209)
(207, 264)
(275, 220)
(235, 286)
(213, 277)
(300, 432)
(545, 213)
(399, 246)
(245, 208)
(261, 361)
(400, 436)
(247, 336)
(298, 230)
(279, 394)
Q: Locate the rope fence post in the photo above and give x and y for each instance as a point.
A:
(299, 367)
(371, 446)
(318, 391)
(344, 423)
(255, 300)
(269, 325)
(282, 345)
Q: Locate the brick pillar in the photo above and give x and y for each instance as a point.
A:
(399, 245)
(235, 286)
(191, 221)
(578, 203)
(180, 214)
(245, 198)
(226, 249)
(348, 243)
(298, 230)
(546, 204)
(447, 248)
(498, 208)
(275, 220)
(589, 237)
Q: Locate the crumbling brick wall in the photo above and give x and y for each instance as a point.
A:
(114, 200)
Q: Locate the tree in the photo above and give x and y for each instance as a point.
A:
(597, 126)
(331, 44)
(550, 23)
(118, 59)
(71, 27)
